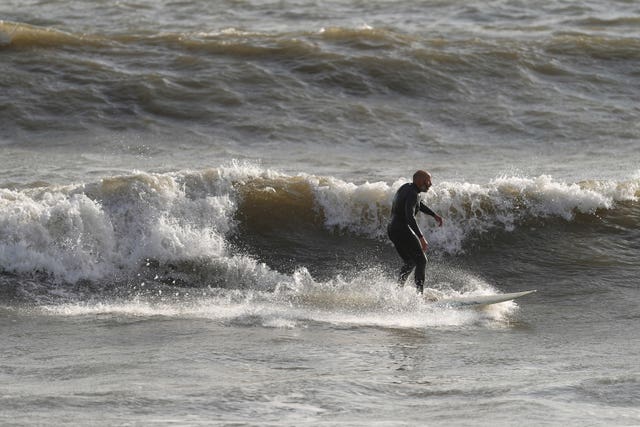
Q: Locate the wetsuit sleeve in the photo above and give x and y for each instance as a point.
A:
(425, 209)
(409, 208)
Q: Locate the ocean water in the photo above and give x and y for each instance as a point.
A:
(194, 196)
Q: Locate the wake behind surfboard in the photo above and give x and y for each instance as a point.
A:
(480, 300)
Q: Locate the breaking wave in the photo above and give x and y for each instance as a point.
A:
(121, 224)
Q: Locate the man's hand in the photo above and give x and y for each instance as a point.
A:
(424, 244)
(439, 220)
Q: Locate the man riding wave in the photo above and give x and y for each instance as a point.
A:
(403, 229)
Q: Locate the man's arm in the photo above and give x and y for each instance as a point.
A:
(425, 209)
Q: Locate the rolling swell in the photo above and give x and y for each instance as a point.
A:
(138, 81)
(325, 43)
(214, 228)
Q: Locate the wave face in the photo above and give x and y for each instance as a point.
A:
(200, 228)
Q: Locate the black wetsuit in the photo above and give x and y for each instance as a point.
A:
(405, 233)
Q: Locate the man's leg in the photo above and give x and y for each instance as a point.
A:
(408, 247)
(406, 269)
(421, 266)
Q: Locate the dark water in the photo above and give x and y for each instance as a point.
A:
(194, 195)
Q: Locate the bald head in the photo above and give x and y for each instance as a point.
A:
(422, 179)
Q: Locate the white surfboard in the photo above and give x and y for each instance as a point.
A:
(479, 300)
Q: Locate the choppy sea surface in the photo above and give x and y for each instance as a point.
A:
(194, 196)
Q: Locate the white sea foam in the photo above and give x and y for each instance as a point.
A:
(370, 299)
(54, 232)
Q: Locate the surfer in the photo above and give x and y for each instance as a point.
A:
(403, 229)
